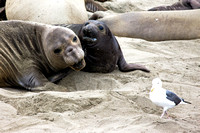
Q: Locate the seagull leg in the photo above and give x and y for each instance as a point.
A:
(168, 117)
(167, 114)
(163, 113)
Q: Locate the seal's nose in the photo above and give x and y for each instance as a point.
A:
(69, 49)
(87, 31)
(74, 53)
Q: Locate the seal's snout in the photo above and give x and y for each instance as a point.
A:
(75, 57)
(89, 34)
(74, 51)
(88, 31)
(70, 50)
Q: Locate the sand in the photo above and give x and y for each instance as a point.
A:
(117, 101)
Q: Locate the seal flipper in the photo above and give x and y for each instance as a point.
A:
(32, 78)
(92, 6)
(125, 67)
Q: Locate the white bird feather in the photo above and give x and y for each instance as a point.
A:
(164, 98)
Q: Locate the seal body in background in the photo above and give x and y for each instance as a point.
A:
(47, 11)
(154, 25)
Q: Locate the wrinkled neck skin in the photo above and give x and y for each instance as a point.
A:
(40, 34)
(32, 39)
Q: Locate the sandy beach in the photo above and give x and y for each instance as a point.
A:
(116, 101)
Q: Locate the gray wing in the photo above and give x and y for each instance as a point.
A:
(173, 97)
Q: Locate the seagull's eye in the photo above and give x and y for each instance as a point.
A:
(75, 39)
(57, 51)
(100, 27)
(86, 23)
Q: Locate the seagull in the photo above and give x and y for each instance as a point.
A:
(164, 98)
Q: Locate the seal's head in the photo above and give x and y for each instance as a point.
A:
(93, 31)
(63, 48)
(100, 47)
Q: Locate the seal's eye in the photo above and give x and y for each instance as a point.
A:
(86, 23)
(75, 39)
(100, 27)
(57, 51)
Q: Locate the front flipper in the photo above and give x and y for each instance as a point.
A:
(32, 79)
(92, 6)
(124, 67)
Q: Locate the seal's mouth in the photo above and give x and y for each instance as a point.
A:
(78, 66)
(89, 39)
(89, 35)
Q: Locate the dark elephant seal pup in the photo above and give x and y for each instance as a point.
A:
(32, 53)
(102, 51)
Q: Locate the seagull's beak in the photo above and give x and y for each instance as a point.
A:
(152, 89)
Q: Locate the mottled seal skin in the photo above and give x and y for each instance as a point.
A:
(34, 53)
(180, 5)
(155, 26)
(102, 51)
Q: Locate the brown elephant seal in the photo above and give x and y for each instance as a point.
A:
(102, 51)
(155, 26)
(32, 53)
(180, 5)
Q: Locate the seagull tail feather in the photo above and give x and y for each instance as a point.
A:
(185, 102)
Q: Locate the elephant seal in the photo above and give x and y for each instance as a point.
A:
(47, 11)
(102, 51)
(34, 53)
(155, 26)
(180, 5)
(51, 11)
